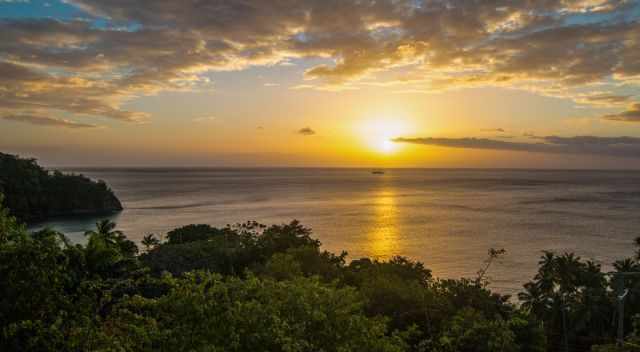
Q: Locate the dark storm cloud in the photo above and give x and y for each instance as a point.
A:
(154, 45)
(610, 146)
(46, 121)
(306, 131)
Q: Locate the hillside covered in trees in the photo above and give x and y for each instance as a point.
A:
(251, 287)
(33, 193)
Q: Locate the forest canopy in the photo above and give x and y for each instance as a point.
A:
(251, 287)
(34, 194)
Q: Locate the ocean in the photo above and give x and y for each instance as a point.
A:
(448, 219)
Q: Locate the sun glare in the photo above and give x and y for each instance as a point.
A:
(387, 146)
(379, 134)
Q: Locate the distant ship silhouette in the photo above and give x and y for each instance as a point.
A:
(377, 172)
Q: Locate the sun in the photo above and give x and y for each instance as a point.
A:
(378, 134)
(388, 146)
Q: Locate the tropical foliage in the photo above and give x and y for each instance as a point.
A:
(250, 287)
(33, 193)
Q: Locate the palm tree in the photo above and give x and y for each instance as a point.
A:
(105, 234)
(105, 231)
(103, 251)
(150, 241)
(108, 249)
(626, 265)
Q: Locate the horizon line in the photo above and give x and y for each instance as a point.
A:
(434, 168)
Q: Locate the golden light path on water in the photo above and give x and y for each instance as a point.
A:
(383, 238)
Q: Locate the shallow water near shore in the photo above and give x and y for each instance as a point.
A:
(447, 219)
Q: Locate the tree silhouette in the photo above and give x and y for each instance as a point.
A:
(105, 231)
(150, 241)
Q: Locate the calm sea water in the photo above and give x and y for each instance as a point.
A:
(446, 218)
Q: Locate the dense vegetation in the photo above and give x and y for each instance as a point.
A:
(250, 287)
(32, 193)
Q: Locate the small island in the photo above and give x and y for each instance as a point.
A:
(35, 194)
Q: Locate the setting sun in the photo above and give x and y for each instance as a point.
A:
(378, 134)
(388, 146)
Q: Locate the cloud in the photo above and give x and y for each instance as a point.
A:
(271, 84)
(628, 147)
(630, 115)
(23, 88)
(500, 130)
(551, 47)
(46, 121)
(603, 99)
(204, 119)
(306, 131)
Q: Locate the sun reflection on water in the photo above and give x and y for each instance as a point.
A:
(383, 237)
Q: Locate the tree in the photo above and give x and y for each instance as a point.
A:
(10, 229)
(191, 233)
(493, 255)
(205, 311)
(105, 233)
(150, 242)
(470, 331)
(37, 281)
(109, 251)
(572, 298)
(33, 193)
(105, 230)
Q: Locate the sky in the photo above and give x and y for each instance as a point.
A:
(322, 83)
